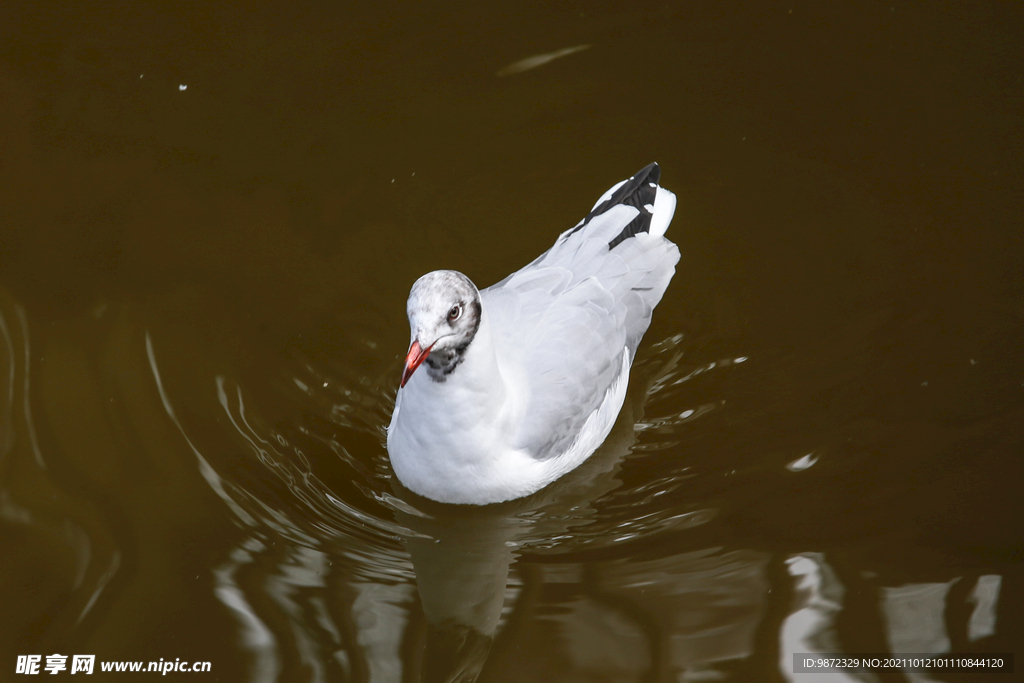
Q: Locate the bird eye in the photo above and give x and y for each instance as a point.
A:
(454, 313)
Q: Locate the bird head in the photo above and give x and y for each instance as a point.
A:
(444, 314)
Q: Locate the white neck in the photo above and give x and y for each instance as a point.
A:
(474, 391)
(454, 433)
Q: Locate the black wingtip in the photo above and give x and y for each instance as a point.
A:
(651, 173)
(639, 192)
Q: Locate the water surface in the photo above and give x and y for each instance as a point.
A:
(210, 218)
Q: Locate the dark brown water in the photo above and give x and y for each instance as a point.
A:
(209, 221)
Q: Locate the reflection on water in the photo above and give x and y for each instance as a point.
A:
(201, 322)
(378, 582)
(338, 571)
(478, 576)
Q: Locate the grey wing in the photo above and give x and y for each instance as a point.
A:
(620, 242)
(566, 318)
(567, 344)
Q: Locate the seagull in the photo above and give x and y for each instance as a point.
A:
(522, 381)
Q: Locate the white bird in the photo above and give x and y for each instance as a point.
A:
(523, 380)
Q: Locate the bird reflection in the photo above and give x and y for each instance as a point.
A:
(557, 585)
(462, 554)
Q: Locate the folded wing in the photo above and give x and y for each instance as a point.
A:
(564, 321)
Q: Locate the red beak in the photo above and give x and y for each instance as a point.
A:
(414, 359)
